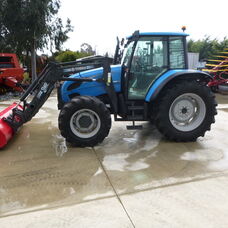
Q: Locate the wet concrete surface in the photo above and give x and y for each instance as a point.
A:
(134, 178)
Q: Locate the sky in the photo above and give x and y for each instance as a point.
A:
(98, 22)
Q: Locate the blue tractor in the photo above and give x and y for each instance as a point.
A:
(148, 81)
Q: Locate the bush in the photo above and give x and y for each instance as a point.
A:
(67, 56)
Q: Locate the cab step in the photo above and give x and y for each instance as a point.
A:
(134, 127)
(135, 118)
(135, 107)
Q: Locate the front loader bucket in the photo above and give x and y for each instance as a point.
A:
(6, 132)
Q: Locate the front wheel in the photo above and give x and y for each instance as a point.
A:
(185, 111)
(84, 121)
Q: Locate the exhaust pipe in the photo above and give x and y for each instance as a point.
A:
(6, 131)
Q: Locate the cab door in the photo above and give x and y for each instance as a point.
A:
(149, 61)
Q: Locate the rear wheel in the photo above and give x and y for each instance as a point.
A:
(185, 111)
(84, 121)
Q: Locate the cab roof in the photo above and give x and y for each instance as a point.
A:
(160, 34)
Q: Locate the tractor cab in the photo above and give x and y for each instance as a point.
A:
(147, 56)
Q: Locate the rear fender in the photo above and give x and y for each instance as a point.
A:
(171, 76)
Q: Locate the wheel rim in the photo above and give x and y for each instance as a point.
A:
(85, 123)
(187, 112)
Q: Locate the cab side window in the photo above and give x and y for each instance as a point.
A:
(176, 50)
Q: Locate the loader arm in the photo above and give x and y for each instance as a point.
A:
(42, 87)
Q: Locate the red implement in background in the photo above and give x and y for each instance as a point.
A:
(218, 68)
(11, 73)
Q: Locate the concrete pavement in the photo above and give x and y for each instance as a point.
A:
(132, 179)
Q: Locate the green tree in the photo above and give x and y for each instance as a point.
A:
(30, 25)
(87, 49)
(207, 47)
(67, 56)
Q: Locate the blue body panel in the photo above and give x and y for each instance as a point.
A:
(92, 88)
(97, 88)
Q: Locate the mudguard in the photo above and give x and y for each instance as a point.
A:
(160, 82)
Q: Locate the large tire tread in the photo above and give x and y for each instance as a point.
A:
(161, 117)
(78, 103)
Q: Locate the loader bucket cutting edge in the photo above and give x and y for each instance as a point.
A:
(6, 132)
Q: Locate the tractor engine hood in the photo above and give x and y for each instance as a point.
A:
(71, 89)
